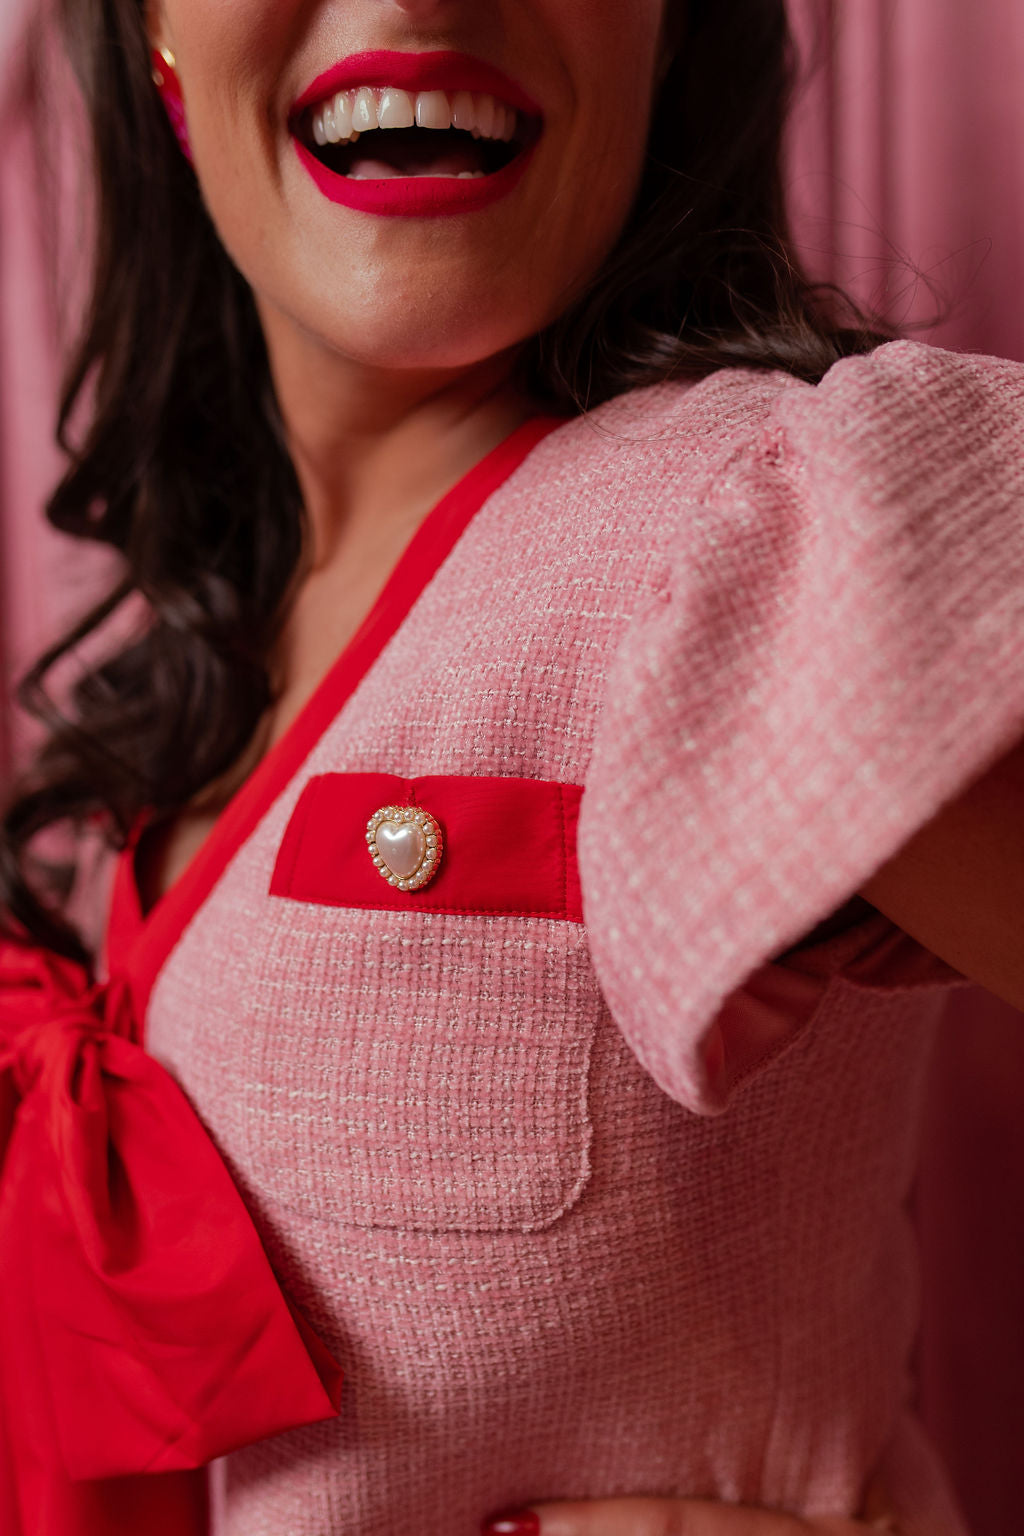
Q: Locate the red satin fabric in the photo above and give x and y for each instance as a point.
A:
(486, 822)
(141, 1327)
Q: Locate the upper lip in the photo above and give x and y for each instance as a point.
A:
(441, 71)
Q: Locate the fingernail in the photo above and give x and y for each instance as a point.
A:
(512, 1522)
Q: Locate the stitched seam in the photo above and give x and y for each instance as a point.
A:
(560, 802)
(450, 911)
(300, 818)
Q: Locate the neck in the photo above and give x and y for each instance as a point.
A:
(372, 445)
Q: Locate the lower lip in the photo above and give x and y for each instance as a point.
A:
(415, 197)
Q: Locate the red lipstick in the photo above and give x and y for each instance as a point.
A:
(415, 196)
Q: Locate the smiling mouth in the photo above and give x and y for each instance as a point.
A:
(385, 134)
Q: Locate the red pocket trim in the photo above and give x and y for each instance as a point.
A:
(509, 845)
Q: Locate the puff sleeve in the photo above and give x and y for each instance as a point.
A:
(836, 649)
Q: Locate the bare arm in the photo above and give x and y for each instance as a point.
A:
(958, 885)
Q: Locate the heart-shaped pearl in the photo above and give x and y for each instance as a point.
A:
(401, 844)
(405, 845)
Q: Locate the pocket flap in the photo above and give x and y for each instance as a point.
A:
(509, 845)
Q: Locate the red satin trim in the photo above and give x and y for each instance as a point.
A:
(142, 1329)
(425, 554)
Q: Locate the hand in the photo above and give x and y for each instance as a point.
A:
(674, 1517)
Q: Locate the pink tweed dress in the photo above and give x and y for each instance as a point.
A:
(589, 1159)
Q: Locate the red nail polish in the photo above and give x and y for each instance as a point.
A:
(512, 1522)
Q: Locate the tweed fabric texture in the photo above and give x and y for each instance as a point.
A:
(619, 1207)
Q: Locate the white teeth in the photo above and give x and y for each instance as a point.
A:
(348, 114)
(364, 110)
(332, 123)
(396, 110)
(486, 111)
(343, 116)
(463, 111)
(425, 175)
(432, 110)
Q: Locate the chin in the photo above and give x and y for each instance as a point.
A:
(423, 335)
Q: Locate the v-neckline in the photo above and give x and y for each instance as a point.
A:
(139, 943)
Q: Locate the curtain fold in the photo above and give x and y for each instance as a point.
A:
(45, 578)
(28, 387)
(907, 161)
(906, 180)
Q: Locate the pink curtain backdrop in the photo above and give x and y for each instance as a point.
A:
(907, 186)
(907, 182)
(29, 555)
(907, 168)
(45, 578)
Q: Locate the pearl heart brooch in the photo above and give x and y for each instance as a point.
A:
(405, 845)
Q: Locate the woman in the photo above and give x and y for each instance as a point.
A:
(454, 407)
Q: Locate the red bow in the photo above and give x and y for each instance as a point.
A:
(141, 1326)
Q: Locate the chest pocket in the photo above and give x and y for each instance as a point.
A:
(420, 1059)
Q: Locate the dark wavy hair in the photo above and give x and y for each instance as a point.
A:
(181, 467)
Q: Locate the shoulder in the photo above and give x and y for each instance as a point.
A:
(618, 485)
(903, 394)
(906, 408)
(670, 436)
(906, 373)
(861, 500)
